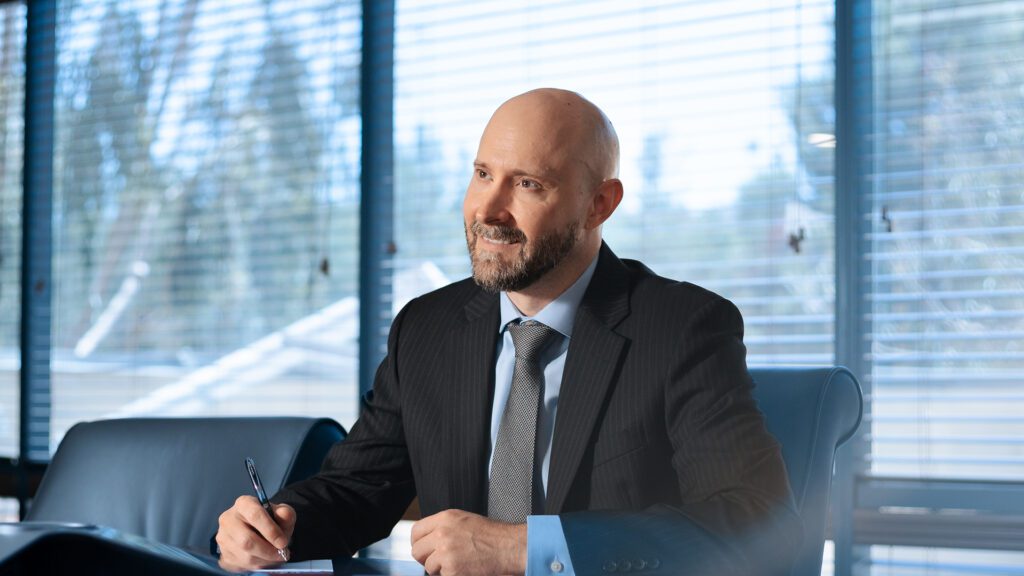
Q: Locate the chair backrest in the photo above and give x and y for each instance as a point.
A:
(811, 411)
(168, 479)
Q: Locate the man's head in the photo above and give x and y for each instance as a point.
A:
(544, 180)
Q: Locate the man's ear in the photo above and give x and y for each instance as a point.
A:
(605, 200)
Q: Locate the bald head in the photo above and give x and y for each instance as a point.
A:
(564, 127)
(544, 181)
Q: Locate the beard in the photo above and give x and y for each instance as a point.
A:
(499, 273)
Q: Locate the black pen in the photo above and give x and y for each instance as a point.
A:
(261, 495)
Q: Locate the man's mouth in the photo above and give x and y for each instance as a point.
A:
(498, 235)
(498, 241)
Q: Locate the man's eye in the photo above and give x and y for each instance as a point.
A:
(529, 184)
(481, 174)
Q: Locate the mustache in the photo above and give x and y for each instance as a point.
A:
(498, 233)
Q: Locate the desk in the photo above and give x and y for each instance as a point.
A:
(54, 548)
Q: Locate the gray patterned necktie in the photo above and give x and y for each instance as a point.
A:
(512, 469)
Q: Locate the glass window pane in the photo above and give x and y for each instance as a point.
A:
(912, 561)
(946, 294)
(8, 510)
(724, 112)
(206, 203)
(12, 129)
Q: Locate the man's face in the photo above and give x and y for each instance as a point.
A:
(525, 205)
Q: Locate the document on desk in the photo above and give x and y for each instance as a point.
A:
(309, 567)
(350, 567)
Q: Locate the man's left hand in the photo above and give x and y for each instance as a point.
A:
(455, 542)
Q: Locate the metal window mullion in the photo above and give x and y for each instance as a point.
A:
(37, 240)
(853, 105)
(376, 240)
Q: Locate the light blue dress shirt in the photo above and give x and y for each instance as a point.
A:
(547, 552)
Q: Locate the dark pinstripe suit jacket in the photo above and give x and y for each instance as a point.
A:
(660, 456)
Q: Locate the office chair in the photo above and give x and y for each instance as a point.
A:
(168, 479)
(811, 411)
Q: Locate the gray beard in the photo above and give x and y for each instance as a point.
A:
(534, 260)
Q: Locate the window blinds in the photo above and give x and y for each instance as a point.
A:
(724, 112)
(946, 240)
(206, 209)
(12, 99)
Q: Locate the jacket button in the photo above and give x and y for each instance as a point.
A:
(640, 564)
(610, 567)
(654, 564)
(625, 566)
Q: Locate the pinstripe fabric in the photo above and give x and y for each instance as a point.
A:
(656, 426)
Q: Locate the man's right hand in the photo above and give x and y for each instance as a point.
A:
(249, 540)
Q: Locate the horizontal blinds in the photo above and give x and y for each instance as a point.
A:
(206, 209)
(946, 241)
(724, 112)
(12, 122)
(910, 561)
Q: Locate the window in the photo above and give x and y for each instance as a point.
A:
(8, 510)
(207, 201)
(724, 112)
(12, 124)
(946, 241)
(905, 561)
(205, 209)
(943, 216)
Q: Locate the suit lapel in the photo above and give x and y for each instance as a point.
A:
(470, 350)
(595, 353)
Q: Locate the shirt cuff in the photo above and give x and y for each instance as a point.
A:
(547, 553)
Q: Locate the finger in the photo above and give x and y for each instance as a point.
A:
(433, 564)
(241, 562)
(422, 549)
(425, 526)
(253, 550)
(285, 517)
(253, 514)
(242, 545)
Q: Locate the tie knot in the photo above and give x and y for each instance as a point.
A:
(531, 338)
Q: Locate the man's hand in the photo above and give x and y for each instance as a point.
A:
(455, 542)
(247, 538)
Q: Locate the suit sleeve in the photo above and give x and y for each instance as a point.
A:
(736, 514)
(366, 481)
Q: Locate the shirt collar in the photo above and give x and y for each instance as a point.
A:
(559, 313)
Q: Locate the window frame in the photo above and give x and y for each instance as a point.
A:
(858, 497)
(36, 250)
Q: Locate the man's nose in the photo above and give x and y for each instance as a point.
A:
(493, 204)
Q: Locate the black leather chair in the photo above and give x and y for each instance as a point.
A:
(811, 411)
(168, 479)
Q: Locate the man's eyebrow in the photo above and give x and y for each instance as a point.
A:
(544, 176)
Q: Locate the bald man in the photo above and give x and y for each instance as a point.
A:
(648, 451)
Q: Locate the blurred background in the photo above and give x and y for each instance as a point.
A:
(216, 208)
